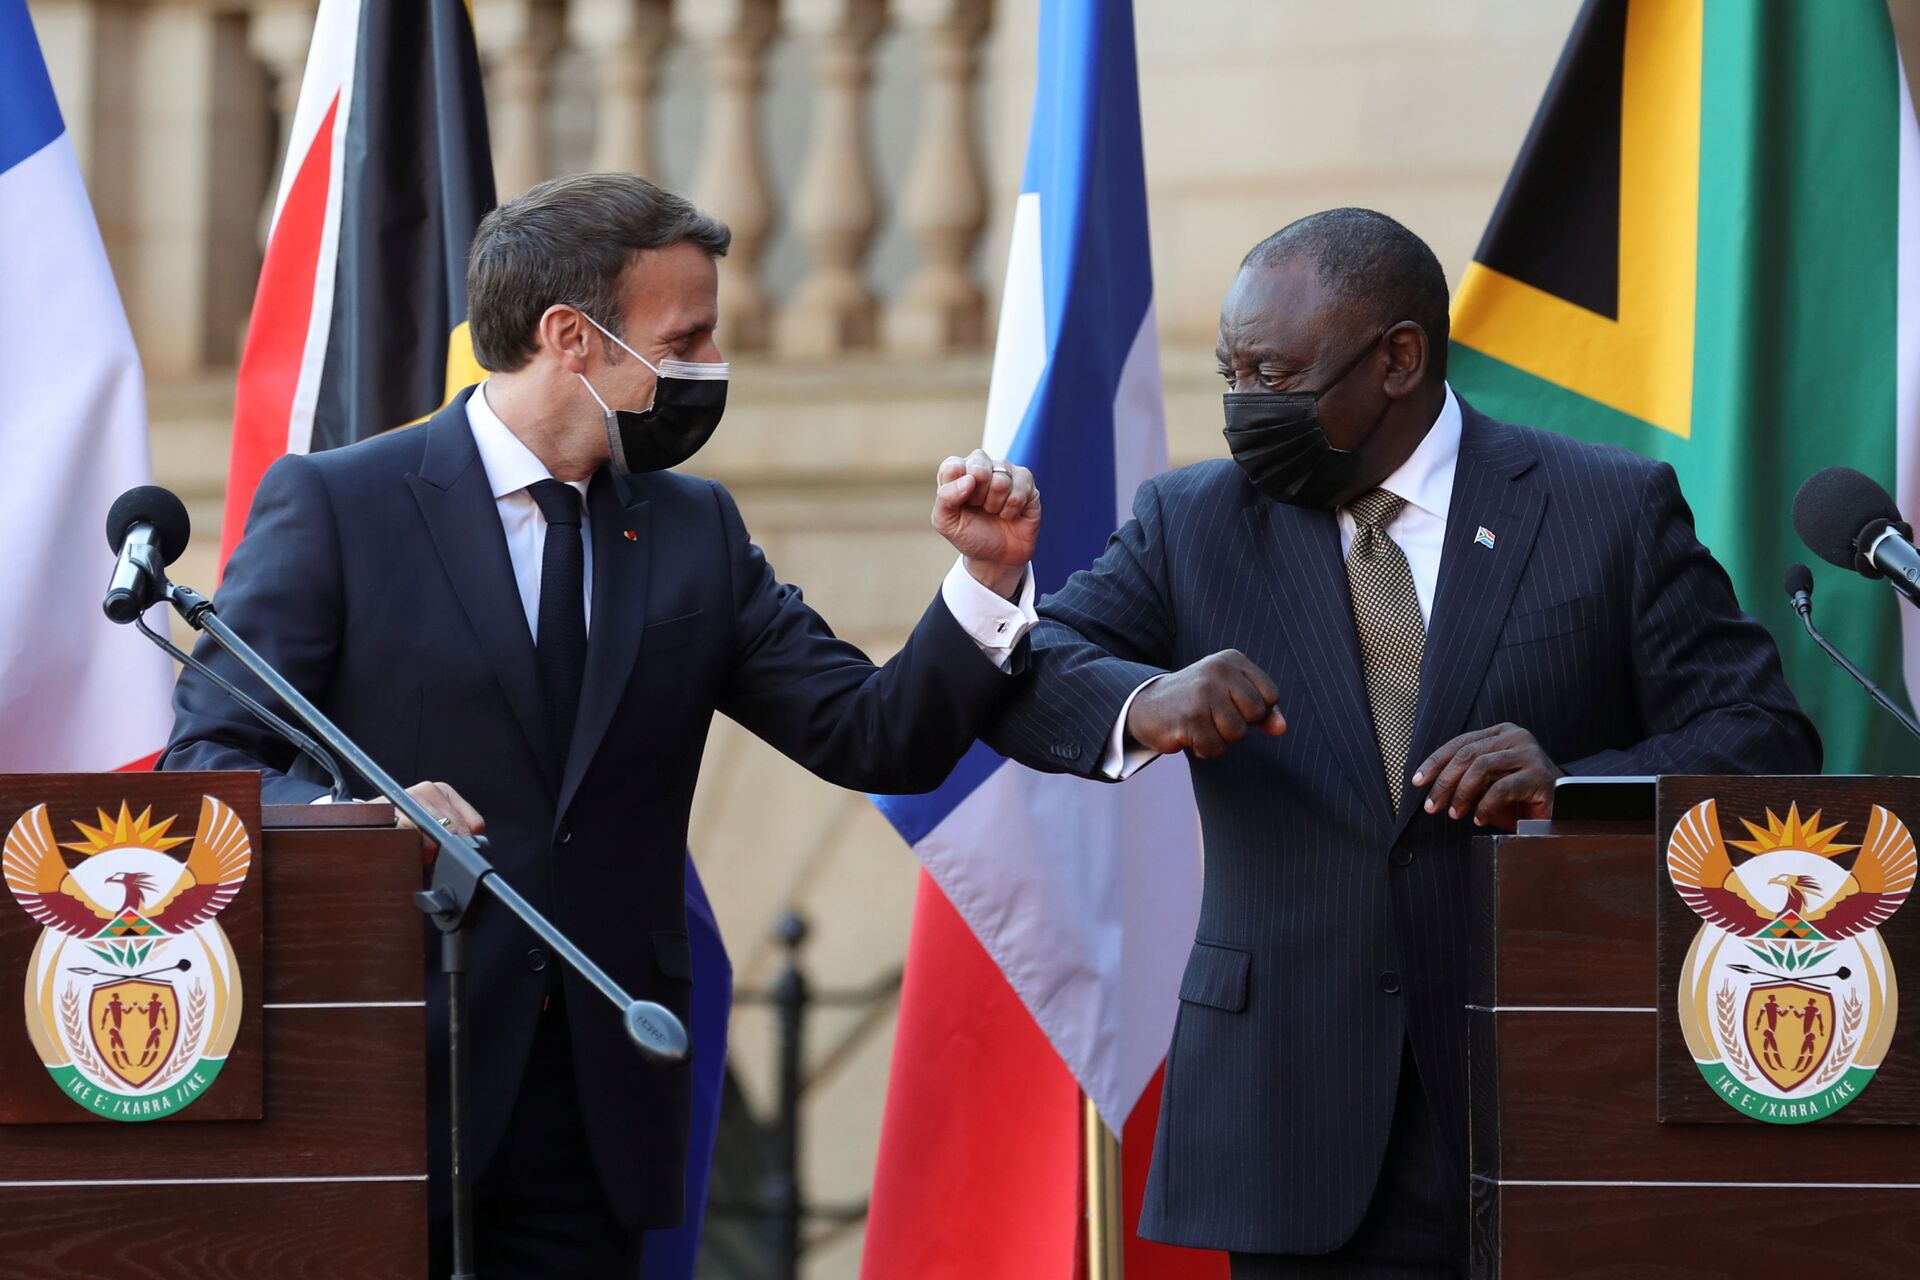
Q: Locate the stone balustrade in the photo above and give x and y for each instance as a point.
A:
(179, 110)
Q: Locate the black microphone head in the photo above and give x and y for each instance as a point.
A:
(1831, 510)
(151, 504)
(1799, 579)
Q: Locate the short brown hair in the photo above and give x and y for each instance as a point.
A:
(568, 240)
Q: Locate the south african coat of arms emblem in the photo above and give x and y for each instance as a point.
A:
(1787, 996)
(132, 991)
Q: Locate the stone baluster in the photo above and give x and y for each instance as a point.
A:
(733, 184)
(517, 40)
(624, 39)
(835, 206)
(944, 204)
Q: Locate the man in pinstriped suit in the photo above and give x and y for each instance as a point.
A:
(1410, 619)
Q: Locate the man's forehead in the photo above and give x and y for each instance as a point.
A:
(1279, 310)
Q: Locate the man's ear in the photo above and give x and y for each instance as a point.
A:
(565, 334)
(1406, 359)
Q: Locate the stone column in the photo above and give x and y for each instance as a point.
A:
(517, 40)
(942, 307)
(733, 183)
(835, 206)
(182, 144)
(624, 39)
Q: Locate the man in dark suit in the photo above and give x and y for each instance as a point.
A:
(1412, 619)
(518, 602)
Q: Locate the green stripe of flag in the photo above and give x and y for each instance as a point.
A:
(1794, 339)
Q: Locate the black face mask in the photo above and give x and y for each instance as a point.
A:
(1276, 438)
(688, 399)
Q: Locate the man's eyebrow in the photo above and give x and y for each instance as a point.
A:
(1259, 355)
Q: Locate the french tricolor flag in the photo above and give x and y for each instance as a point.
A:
(1055, 914)
(76, 692)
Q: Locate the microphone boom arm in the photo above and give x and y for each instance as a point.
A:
(308, 747)
(461, 868)
(1874, 691)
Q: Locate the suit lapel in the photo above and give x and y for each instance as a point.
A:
(1308, 583)
(622, 549)
(458, 506)
(1477, 582)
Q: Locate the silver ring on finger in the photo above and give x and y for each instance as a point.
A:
(1002, 471)
(447, 823)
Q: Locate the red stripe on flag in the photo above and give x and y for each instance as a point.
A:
(1145, 1259)
(143, 765)
(979, 1170)
(277, 332)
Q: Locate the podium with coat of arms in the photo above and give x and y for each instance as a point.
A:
(217, 1068)
(1687, 1050)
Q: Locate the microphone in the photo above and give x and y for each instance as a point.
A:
(147, 528)
(1799, 584)
(148, 523)
(1848, 520)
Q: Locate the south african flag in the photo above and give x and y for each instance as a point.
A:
(1709, 252)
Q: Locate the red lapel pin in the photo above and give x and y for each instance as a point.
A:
(630, 535)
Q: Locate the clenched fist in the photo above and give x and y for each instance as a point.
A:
(1206, 708)
(990, 512)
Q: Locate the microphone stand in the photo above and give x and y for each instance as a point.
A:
(308, 747)
(460, 873)
(1803, 605)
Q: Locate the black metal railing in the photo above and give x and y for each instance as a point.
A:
(781, 1214)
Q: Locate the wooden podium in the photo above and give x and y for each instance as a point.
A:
(306, 1156)
(1577, 1054)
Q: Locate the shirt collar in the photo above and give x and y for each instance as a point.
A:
(1425, 479)
(510, 465)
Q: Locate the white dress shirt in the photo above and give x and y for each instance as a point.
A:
(1425, 480)
(511, 468)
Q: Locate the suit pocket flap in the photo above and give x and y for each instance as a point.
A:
(1554, 620)
(1217, 977)
(671, 633)
(674, 954)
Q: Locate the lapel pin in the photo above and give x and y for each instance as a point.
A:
(1483, 536)
(631, 536)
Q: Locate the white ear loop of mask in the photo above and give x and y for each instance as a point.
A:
(691, 370)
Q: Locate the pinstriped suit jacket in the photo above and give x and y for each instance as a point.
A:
(1331, 926)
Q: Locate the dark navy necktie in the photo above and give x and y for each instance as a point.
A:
(562, 642)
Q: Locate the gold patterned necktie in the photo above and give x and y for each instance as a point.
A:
(1386, 619)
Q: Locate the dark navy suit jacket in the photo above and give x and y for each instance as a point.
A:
(377, 579)
(1333, 928)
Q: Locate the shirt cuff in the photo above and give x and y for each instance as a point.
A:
(994, 623)
(1121, 761)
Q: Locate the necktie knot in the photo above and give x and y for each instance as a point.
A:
(558, 502)
(1371, 512)
(1375, 508)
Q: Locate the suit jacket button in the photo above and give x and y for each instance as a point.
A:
(1390, 982)
(536, 959)
(565, 836)
(1402, 856)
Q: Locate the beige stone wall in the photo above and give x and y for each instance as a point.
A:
(1254, 112)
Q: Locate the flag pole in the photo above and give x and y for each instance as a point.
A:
(1105, 1247)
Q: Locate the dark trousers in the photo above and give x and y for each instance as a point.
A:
(539, 1212)
(1415, 1227)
